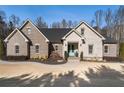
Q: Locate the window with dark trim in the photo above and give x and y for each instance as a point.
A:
(82, 31)
(90, 49)
(105, 49)
(56, 47)
(36, 48)
(16, 48)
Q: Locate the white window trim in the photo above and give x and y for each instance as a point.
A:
(92, 49)
(17, 44)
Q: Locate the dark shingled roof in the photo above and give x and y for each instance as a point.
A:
(109, 40)
(55, 34)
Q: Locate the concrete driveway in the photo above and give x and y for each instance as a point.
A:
(62, 75)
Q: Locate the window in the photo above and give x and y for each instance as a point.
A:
(106, 49)
(82, 31)
(37, 48)
(56, 47)
(90, 49)
(29, 30)
(16, 48)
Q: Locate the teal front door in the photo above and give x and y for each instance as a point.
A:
(71, 51)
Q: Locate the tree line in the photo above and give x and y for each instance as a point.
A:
(6, 27)
(113, 23)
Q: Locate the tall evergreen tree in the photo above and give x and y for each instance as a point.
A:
(2, 52)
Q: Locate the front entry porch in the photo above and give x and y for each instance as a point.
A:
(73, 50)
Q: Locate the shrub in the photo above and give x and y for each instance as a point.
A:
(46, 57)
(81, 56)
(76, 54)
(55, 56)
(66, 55)
(39, 58)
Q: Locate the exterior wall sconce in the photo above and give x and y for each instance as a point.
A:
(80, 44)
(65, 44)
(83, 41)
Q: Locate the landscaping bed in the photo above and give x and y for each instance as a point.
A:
(54, 58)
(49, 61)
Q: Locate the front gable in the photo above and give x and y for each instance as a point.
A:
(88, 30)
(17, 34)
(35, 32)
(73, 37)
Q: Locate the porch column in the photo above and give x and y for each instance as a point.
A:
(65, 48)
(80, 47)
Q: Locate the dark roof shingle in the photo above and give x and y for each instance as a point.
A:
(109, 40)
(55, 34)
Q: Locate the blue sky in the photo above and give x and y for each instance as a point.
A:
(52, 13)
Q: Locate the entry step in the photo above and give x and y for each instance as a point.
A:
(72, 59)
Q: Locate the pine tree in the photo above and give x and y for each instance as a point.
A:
(1, 49)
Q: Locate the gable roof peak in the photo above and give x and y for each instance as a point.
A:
(13, 32)
(83, 22)
(28, 20)
(16, 28)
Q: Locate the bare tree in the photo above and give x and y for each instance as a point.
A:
(70, 24)
(2, 15)
(10, 27)
(14, 20)
(119, 21)
(64, 24)
(98, 19)
(75, 23)
(109, 19)
(92, 23)
(56, 25)
(40, 23)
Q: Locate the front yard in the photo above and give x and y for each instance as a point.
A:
(62, 75)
